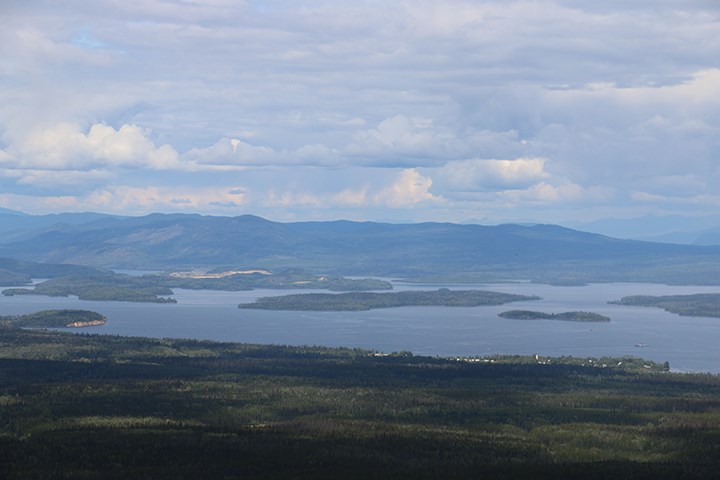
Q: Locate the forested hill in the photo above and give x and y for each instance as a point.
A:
(365, 248)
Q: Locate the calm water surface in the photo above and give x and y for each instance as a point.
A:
(688, 343)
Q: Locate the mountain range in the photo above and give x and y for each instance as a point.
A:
(429, 251)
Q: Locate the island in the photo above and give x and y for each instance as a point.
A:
(358, 301)
(576, 316)
(68, 318)
(697, 305)
(101, 285)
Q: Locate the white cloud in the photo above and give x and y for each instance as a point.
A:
(150, 199)
(489, 174)
(546, 193)
(404, 137)
(576, 102)
(67, 146)
(397, 190)
(231, 151)
(409, 189)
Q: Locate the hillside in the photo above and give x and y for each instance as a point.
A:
(438, 251)
(94, 406)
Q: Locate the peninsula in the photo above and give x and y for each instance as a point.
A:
(697, 305)
(67, 318)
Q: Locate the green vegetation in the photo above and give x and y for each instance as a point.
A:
(17, 272)
(576, 316)
(90, 406)
(105, 285)
(356, 301)
(698, 305)
(54, 319)
(14, 278)
(439, 252)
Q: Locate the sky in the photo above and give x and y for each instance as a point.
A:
(406, 111)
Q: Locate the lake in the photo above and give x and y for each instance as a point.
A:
(688, 343)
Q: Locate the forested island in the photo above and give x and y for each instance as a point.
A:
(575, 316)
(109, 286)
(697, 305)
(68, 318)
(156, 288)
(93, 406)
(358, 301)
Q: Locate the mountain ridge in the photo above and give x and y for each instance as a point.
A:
(423, 250)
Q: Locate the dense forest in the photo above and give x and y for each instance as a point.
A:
(698, 305)
(91, 406)
(96, 284)
(54, 319)
(357, 301)
(575, 316)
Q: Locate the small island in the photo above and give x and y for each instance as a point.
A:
(576, 316)
(697, 305)
(67, 318)
(359, 301)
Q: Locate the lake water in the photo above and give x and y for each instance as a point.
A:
(688, 343)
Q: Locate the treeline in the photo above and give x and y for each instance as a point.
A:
(357, 301)
(54, 319)
(18, 272)
(90, 406)
(106, 285)
(574, 316)
(697, 305)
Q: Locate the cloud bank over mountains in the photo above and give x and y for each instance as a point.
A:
(504, 111)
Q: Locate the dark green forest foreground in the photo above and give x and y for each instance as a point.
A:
(355, 301)
(698, 305)
(86, 406)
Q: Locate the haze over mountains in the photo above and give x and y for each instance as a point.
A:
(427, 250)
(701, 230)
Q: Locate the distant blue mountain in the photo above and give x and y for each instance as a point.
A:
(7, 211)
(655, 228)
(17, 225)
(427, 250)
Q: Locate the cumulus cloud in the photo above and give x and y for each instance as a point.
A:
(399, 190)
(409, 189)
(421, 105)
(489, 174)
(400, 135)
(67, 146)
(231, 151)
